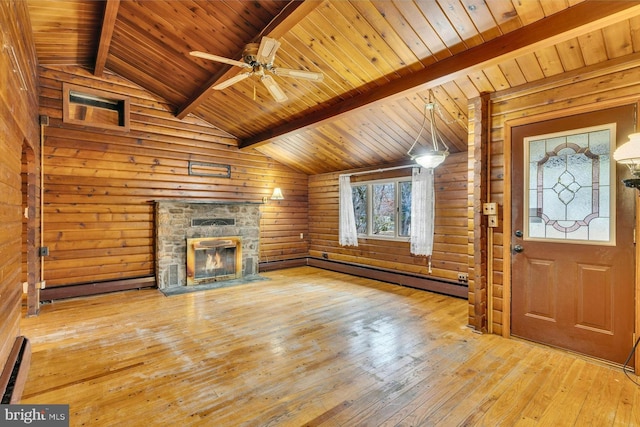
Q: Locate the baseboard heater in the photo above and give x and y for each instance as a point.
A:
(14, 374)
(94, 288)
(400, 278)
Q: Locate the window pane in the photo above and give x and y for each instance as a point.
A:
(384, 203)
(405, 209)
(569, 186)
(359, 194)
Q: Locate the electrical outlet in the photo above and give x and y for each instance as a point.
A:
(302, 235)
(44, 251)
(493, 220)
(463, 277)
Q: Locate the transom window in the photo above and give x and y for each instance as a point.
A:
(96, 108)
(383, 208)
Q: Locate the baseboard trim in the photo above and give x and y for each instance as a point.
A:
(400, 278)
(279, 265)
(86, 289)
(14, 374)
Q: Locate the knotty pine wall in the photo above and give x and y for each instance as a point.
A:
(450, 241)
(18, 131)
(570, 93)
(99, 185)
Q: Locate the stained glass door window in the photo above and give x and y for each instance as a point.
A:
(570, 186)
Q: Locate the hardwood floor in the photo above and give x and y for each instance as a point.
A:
(307, 347)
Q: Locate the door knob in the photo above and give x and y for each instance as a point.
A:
(518, 233)
(518, 248)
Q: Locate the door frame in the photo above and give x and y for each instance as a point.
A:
(506, 221)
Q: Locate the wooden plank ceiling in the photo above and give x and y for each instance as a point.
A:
(381, 60)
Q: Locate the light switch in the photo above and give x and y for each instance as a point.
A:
(490, 208)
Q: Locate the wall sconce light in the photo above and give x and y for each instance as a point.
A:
(629, 154)
(277, 195)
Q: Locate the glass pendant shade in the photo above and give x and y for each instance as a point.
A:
(432, 159)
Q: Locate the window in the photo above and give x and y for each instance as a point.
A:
(383, 208)
(90, 107)
(569, 195)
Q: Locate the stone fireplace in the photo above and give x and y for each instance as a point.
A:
(200, 242)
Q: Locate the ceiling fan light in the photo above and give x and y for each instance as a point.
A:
(432, 159)
(259, 58)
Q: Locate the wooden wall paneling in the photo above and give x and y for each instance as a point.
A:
(100, 184)
(450, 240)
(284, 229)
(18, 128)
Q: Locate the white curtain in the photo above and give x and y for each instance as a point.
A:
(422, 211)
(347, 232)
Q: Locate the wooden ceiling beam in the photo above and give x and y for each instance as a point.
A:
(108, 24)
(290, 15)
(576, 20)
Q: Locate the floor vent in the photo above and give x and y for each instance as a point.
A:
(173, 275)
(14, 375)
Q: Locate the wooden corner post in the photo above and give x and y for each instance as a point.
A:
(477, 192)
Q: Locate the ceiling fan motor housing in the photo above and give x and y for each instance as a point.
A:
(250, 54)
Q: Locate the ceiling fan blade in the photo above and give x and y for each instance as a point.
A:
(212, 57)
(273, 88)
(267, 50)
(308, 75)
(235, 79)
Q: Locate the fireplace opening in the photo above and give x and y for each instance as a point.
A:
(212, 259)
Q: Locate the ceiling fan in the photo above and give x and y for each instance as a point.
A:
(259, 60)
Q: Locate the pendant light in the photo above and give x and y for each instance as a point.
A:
(434, 155)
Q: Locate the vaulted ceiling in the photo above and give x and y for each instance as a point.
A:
(382, 61)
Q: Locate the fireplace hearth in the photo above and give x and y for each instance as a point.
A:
(224, 238)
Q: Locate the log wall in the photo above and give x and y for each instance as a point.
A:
(450, 240)
(99, 185)
(18, 132)
(570, 93)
